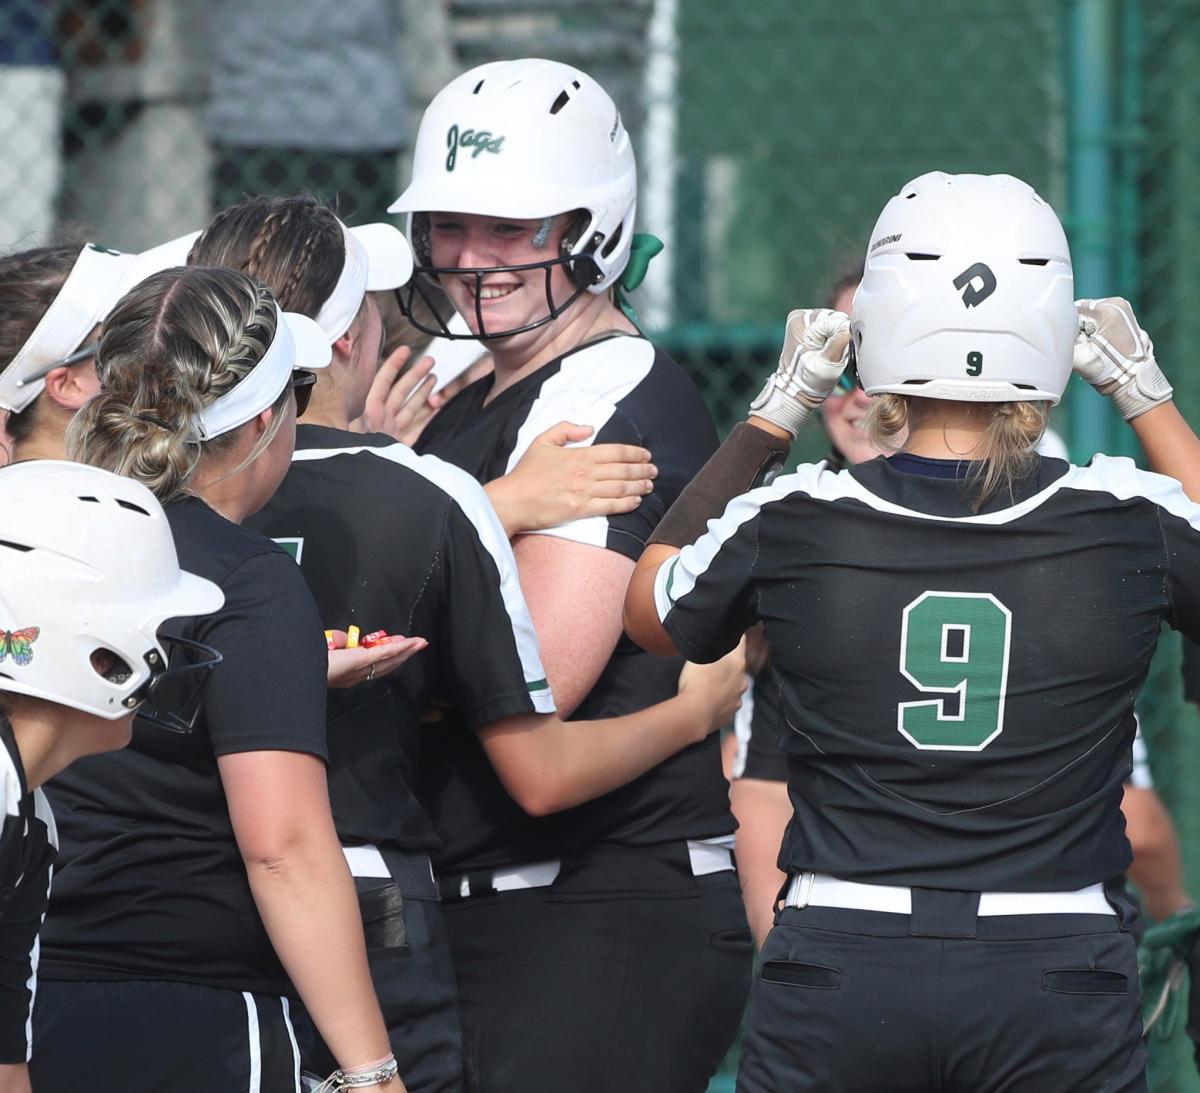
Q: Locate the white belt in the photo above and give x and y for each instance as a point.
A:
(366, 861)
(709, 856)
(535, 875)
(822, 890)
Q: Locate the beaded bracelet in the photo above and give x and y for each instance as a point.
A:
(360, 1078)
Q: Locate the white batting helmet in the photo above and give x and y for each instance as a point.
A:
(87, 565)
(528, 139)
(967, 294)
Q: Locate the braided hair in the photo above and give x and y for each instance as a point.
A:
(173, 346)
(293, 244)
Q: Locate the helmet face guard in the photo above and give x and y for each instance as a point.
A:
(170, 699)
(576, 266)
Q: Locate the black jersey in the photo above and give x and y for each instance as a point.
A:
(151, 884)
(28, 842)
(389, 540)
(630, 393)
(957, 687)
(759, 725)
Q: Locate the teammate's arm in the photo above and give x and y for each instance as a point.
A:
(1157, 868)
(574, 592)
(553, 484)
(547, 764)
(763, 811)
(279, 807)
(496, 657)
(1116, 356)
(269, 743)
(815, 351)
(14, 1078)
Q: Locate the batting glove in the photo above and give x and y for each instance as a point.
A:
(1116, 356)
(815, 350)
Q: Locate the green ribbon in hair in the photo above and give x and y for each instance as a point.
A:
(641, 250)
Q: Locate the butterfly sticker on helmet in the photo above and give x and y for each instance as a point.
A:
(17, 643)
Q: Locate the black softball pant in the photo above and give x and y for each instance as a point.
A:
(627, 975)
(150, 1037)
(848, 1000)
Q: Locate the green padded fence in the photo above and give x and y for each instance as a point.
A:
(769, 135)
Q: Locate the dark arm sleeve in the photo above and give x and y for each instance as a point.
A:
(487, 647)
(269, 691)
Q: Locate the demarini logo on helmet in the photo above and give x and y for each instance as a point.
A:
(883, 242)
(481, 141)
(974, 293)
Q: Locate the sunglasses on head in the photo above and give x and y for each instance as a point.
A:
(83, 353)
(848, 380)
(302, 383)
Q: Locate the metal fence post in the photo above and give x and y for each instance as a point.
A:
(1090, 89)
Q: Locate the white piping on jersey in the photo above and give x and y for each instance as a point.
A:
(1140, 777)
(473, 501)
(43, 811)
(585, 390)
(10, 786)
(10, 783)
(677, 576)
(35, 954)
(743, 727)
(1117, 476)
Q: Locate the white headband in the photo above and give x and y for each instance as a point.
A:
(99, 278)
(377, 257)
(298, 343)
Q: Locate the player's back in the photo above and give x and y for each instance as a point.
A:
(958, 687)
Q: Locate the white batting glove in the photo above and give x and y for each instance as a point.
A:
(1116, 356)
(815, 350)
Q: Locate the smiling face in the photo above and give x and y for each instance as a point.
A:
(505, 300)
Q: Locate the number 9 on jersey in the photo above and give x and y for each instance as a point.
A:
(954, 643)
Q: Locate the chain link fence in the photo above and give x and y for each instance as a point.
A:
(769, 136)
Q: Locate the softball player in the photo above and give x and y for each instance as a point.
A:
(202, 880)
(52, 299)
(614, 929)
(88, 574)
(959, 633)
(390, 540)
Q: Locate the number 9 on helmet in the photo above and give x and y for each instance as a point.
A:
(88, 573)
